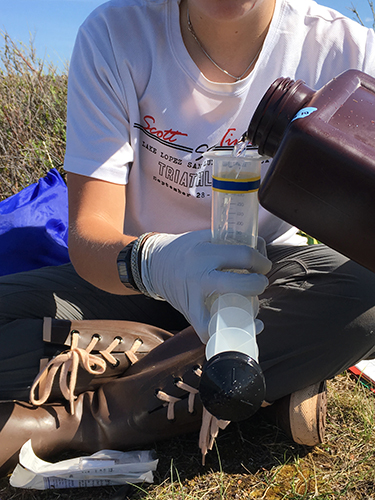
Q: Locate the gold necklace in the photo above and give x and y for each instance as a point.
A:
(194, 35)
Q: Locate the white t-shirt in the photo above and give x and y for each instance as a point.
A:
(140, 112)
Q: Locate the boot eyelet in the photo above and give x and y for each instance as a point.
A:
(115, 365)
(139, 340)
(74, 331)
(96, 336)
(156, 392)
(120, 339)
(176, 380)
(197, 367)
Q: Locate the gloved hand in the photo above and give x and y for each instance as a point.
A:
(185, 269)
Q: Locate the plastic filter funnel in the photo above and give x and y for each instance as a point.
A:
(232, 384)
(232, 326)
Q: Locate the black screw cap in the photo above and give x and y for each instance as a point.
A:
(232, 386)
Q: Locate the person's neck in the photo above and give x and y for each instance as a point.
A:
(232, 44)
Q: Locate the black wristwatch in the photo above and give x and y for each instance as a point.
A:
(124, 267)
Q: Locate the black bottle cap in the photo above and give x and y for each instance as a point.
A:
(232, 386)
(275, 111)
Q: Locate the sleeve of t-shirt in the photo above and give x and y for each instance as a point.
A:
(369, 59)
(98, 138)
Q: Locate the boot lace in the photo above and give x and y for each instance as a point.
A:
(69, 361)
(210, 426)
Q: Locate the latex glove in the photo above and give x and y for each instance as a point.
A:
(185, 269)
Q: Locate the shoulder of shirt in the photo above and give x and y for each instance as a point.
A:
(128, 15)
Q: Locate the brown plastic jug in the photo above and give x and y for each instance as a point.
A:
(322, 177)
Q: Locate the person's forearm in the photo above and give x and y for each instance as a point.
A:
(93, 248)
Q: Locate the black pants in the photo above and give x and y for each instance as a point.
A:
(318, 311)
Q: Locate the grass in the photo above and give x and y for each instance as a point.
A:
(251, 460)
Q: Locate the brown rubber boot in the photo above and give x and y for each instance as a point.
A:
(89, 353)
(302, 414)
(154, 400)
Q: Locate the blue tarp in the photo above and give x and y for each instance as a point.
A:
(34, 226)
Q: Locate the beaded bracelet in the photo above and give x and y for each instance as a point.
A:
(135, 262)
